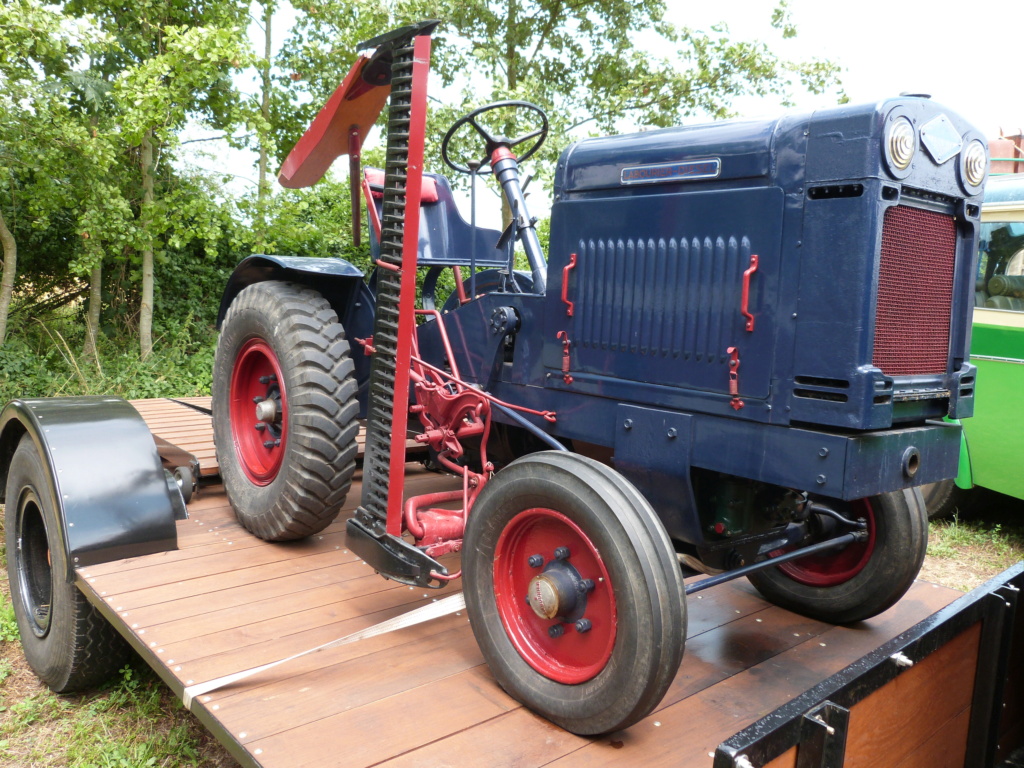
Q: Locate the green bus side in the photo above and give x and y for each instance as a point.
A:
(995, 434)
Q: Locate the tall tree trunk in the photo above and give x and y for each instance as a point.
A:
(92, 318)
(146, 309)
(264, 187)
(10, 254)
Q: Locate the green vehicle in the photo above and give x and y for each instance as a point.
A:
(992, 454)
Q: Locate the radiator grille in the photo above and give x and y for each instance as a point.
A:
(665, 297)
(915, 292)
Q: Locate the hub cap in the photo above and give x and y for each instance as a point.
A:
(832, 568)
(554, 596)
(35, 575)
(259, 411)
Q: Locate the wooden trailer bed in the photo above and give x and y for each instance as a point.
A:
(226, 601)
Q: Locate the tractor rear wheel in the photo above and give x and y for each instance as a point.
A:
(864, 578)
(67, 642)
(573, 591)
(284, 410)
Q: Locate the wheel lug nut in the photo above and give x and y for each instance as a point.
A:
(260, 426)
(257, 399)
(583, 625)
(267, 379)
(587, 585)
(535, 561)
(562, 553)
(556, 630)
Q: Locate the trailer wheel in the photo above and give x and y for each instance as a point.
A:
(67, 642)
(945, 498)
(284, 410)
(558, 535)
(864, 578)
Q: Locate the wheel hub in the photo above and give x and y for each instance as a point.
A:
(258, 411)
(565, 627)
(555, 594)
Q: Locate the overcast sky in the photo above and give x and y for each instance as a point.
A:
(966, 55)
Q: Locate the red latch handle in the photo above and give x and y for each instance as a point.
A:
(745, 299)
(564, 338)
(734, 377)
(569, 306)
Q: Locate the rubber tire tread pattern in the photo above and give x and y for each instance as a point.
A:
(81, 648)
(901, 540)
(642, 667)
(320, 449)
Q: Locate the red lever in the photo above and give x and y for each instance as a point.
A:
(745, 299)
(569, 306)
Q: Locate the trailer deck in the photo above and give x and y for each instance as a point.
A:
(226, 601)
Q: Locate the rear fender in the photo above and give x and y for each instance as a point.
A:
(338, 281)
(114, 498)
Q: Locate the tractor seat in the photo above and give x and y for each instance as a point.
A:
(446, 239)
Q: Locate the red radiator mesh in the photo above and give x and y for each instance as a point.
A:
(915, 292)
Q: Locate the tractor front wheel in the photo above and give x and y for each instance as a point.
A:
(864, 578)
(284, 410)
(574, 592)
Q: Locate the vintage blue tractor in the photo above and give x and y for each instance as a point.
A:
(737, 354)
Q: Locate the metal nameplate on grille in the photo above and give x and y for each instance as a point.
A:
(941, 139)
(663, 173)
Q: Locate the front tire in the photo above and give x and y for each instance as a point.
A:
(863, 579)
(284, 410)
(615, 640)
(67, 642)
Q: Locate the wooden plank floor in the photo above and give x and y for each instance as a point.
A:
(187, 428)
(422, 696)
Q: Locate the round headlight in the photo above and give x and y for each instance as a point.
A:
(900, 144)
(974, 163)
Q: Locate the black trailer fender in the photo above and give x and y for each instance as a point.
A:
(114, 500)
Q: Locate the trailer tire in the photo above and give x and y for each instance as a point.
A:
(617, 669)
(945, 499)
(863, 579)
(282, 342)
(67, 642)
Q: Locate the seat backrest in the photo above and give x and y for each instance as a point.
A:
(446, 239)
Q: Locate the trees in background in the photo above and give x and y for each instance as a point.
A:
(102, 222)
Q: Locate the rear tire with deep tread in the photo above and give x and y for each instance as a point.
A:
(300, 491)
(67, 642)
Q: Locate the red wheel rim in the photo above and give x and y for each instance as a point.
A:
(574, 657)
(830, 569)
(259, 444)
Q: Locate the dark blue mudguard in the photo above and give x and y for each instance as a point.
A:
(114, 498)
(338, 281)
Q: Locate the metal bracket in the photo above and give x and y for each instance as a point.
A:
(564, 338)
(823, 737)
(734, 377)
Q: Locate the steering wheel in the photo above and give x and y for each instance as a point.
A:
(492, 139)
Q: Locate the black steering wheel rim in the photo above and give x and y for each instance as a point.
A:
(493, 142)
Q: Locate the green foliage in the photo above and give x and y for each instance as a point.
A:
(126, 726)
(8, 623)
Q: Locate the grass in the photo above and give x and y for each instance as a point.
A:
(132, 722)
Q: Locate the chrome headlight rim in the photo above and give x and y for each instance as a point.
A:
(973, 165)
(900, 145)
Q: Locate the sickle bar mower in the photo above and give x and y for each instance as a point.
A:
(738, 357)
